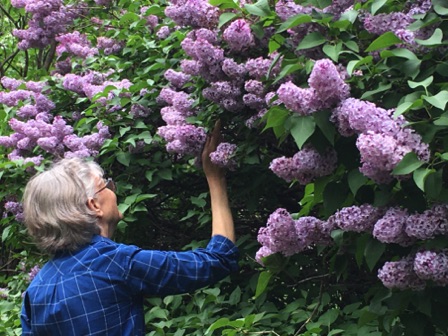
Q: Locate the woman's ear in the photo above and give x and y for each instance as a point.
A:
(93, 205)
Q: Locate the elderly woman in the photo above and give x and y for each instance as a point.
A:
(92, 285)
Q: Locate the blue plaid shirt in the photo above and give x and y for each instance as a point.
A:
(99, 289)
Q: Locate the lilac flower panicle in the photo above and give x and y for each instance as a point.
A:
(223, 156)
(263, 252)
(296, 99)
(239, 35)
(430, 265)
(400, 275)
(357, 218)
(279, 234)
(428, 224)
(391, 227)
(309, 231)
(177, 79)
(329, 88)
(183, 139)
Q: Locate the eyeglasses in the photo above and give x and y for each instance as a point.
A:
(110, 184)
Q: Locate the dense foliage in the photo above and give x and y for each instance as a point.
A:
(335, 142)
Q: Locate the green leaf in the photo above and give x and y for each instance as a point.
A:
(439, 100)
(224, 4)
(301, 128)
(329, 317)
(260, 8)
(322, 119)
(311, 40)
(399, 52)
(435, 39)
(440, 7)
(294, 21)
(420, 176)
(222, 322)
(406, 106)
(381, 88)
(356, 180)
(226, 17)
(333, 51)
(334, 196)
(374, 250)
(376, 5)
(408, 164)
(434, 183)
(425, 83)
(5, 233)
(129, 18)
(124, 158)
(275, 119)
(352, 65)
(263, 281)
(384, 41)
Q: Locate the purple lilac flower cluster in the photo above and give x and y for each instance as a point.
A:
(109, 45)
(93, 83)
(182, 138)
(391, 227)
(239, 36)
(287, 236)
(151, 20)
(49, 18)
(305, 166)
(414, 271)
(431, 265)
(193, 13)
(223, 156)
(400, 275)
(326, 89)
(16, 209)
(355, 218)
(75, 44)
(428, 224)
(398, 23)
(288, 8)
(53, 135)
(382, 140)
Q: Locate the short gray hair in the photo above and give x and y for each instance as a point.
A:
(55, 205)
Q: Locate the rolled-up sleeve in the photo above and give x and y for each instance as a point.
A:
(166, 272)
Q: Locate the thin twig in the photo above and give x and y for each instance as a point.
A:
(314, 311)
(9, 16)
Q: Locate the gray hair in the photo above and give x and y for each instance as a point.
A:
(55, 205)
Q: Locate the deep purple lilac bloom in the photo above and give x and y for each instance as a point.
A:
(400, 275)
